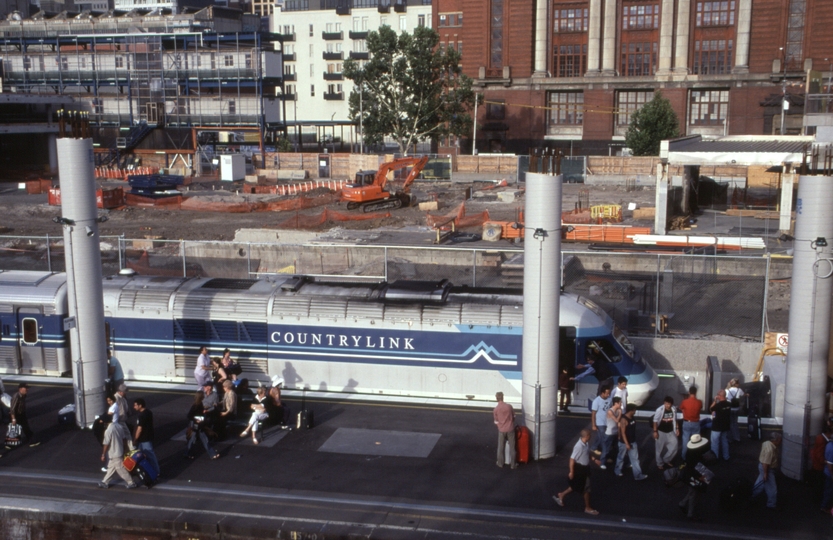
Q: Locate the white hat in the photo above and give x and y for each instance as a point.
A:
(696, 442)
(277, 380)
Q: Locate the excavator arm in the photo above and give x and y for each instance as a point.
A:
(417, 165)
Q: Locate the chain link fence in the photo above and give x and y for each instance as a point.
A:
(661, 295)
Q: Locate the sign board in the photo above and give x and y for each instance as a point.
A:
(69, 323)
(782, 341)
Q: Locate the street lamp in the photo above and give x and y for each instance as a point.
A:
(784, 103)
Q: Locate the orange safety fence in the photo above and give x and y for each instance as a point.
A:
(121, 174)
(460, 219)
(295, 189)
(300, 221)
(620, 234)
(203, 205)
(502, 183)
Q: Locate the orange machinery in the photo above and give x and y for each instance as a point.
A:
(369, 193)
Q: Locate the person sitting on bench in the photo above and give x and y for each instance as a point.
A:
(259, 414)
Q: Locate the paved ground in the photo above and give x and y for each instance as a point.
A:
(440, 482)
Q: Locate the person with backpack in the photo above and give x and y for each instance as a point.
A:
(697, 483)
(734, 394)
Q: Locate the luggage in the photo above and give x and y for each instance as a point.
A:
(522, 443)
(753, 424)
(67, 414)
(305, 419)
(145, 472)
(671, 476)
(13, 434)
(735, 495)
(131, 459)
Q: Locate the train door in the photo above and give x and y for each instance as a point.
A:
(8, 347)
(30, 343)
(567, 351)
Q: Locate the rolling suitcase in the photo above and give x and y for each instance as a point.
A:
(522, 443)
(145, 472)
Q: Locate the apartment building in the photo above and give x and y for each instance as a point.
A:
(317, 36)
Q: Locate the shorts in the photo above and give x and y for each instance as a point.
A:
(581, 479)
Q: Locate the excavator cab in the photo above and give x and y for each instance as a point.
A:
(364, 178)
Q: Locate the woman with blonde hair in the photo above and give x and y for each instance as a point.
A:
(734, 394)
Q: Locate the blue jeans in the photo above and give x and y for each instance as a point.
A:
(689, 429)
(199, 434)
(597, 438)
(607, 443)
(147, 450)
(633, 455)
(827, 498)
(768, 486)
(720, 444)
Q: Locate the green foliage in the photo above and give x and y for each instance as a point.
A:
(283, 145)
(411, 90)
(654, 122)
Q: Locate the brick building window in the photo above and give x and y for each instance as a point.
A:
(717, 13)
(795, 35)
(708, 107)
(628, 102)
(641, 16)
(570, 60)
(495, 38)
(496, 110)
(566, 108)
(712, 57)
(639, 59)
(450, 19)
(574, 19)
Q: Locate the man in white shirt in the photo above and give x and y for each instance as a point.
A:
(599, 408)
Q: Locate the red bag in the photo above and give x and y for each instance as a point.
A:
(129, 463)
(522, 443)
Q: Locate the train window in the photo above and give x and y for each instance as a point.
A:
(623, 340)
(607, 350)
(30, 331)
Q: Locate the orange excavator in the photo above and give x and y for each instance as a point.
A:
(368, 191)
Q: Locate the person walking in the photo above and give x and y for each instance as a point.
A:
(17, 412)
(734, 394)
(627, 444)
(666, 433)
(599, 409)
(121, 403)
(114, 371)
(504, 417)
(690, 407)
(721, 420)
(202, 371)
(767, 464)
(143, 435)
(621, 391)
(116, 438)
(579, 475)
(614, 414)
(697, 446)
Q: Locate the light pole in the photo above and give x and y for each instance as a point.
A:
(361, 112)
(784, 103)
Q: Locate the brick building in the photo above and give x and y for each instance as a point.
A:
(570, 72)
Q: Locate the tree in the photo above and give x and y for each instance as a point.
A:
(654, 122)
(409, 90)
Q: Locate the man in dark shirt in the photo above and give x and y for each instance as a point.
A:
(17, 410)
(721, 410)
(696, 447)
(143, 435)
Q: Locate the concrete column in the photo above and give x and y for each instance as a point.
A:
(52, 147)
(609, 52)
(594, 33)
(742, 42)
(666, 35)
(542, 290)
(541, 27)
(661, 200)
(785, 214)
(683, 33)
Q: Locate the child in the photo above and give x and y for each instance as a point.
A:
(113, 409)
(621, 391)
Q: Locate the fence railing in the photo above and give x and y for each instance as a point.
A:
(660, 295)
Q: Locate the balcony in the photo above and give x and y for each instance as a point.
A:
(400, 6)
(290, 77)
(333, 76)
(333, 55)
(289, 57)
(384, 7)
(818, 110)
(335, 96)
(343, 9)
(287, 97)
(329, 36)
(286, 37)
(359, 55)
(358, 35)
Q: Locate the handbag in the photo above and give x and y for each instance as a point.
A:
(13, 433)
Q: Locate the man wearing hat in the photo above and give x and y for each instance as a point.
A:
(696, 447)
(17, 411)
(767, 463)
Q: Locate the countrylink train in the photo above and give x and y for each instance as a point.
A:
(398, 340)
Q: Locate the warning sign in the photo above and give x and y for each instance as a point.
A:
(782, 341)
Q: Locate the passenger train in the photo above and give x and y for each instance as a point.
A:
(401, 339)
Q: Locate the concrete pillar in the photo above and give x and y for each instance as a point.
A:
(594, 33)
(542, 290)
(666, 35)
(661, 200)
(541, 27)
(785, 215)
(742, 42)
(683, 33)
(609, 52)
(53, 154)
(809, 327)
(82, 251)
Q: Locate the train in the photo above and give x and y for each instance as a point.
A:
(401, 339)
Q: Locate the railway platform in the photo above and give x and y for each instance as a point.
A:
(366, 470)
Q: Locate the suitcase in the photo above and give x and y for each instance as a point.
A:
(733, 496)
(671, 476)
(753, 424)
(522, 443)
(305, 419)
(145, 472)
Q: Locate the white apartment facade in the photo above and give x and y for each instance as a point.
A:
(318, 36)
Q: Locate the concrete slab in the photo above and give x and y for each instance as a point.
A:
(380, 443)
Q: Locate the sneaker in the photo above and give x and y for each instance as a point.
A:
(597, 452)
(131, 485)
(102, 485)
(499, 464)
(643, 477)
(620, 475)
(34, 444)
(557, 500)
(603, 467)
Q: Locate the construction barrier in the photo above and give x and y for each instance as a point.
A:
(118, 173)
(613, 234)
(606, 212)
(300, 221)
(36, 187)
(459, 219)
(104, 198)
